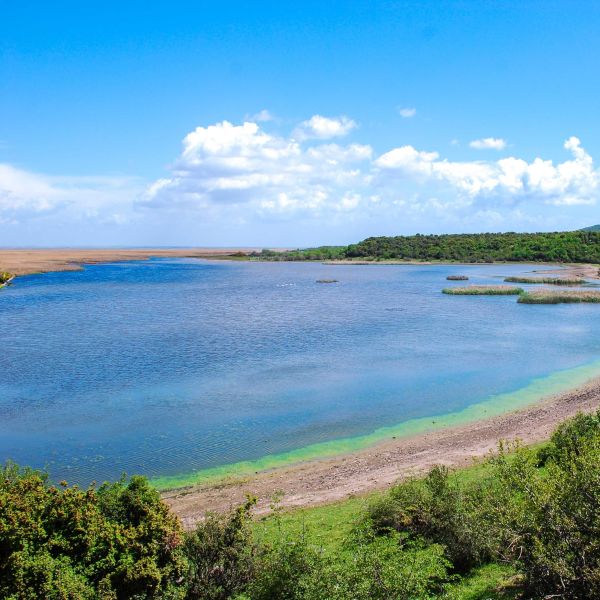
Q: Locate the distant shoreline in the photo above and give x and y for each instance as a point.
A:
(33, 261)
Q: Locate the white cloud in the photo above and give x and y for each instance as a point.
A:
(407, 113)
(573, 181)
(324, 128)
(225, 164)
(261, 116)
(488, 143)
(241, 175)
(24, 194)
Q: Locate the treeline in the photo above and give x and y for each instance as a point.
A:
(533, 512)
(566, 246)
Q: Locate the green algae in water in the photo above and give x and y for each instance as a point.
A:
(538, 389)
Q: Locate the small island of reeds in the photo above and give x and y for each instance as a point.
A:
(5, 279)
(559, 297)
(484, 290)
(327, 281)
(457, 278)
(546, 280)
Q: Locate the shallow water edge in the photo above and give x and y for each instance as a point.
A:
(536, 391)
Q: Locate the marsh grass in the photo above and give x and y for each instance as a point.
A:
(457, 278)
(5, 278)
(546, 280)
(484, 290)
(547, 296)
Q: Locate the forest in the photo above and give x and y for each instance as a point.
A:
(557, 247)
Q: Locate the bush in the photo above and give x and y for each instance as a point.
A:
(220, 555)
(570, 437)
(551, 525)
(439, 511)
(119, 541)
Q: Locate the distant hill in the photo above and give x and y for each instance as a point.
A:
(591, 228)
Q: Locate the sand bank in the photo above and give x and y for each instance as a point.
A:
(376, 468)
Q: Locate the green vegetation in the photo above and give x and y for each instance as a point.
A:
(484, 290)
(524, 523)
(457, 278)
(547, 280)
(117, 541)
(321, 253)
(567, 246)
(591, 228)
(559, 297)
(5, 278)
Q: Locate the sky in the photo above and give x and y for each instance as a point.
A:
(295, 124)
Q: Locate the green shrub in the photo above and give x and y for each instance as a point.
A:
(570, 437)
(551, 523)
(440, 511)
(119, 541)
(220, 555)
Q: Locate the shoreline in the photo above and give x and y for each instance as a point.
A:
(31, 261)
(374, 468)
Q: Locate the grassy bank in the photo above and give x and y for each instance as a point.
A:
(484, 290)
(523, 523)
(559, 297)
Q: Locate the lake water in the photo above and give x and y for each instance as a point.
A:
(168, 367)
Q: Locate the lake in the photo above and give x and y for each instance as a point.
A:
(167, 367)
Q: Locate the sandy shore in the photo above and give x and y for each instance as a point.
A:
(376, 468)
(27, 261)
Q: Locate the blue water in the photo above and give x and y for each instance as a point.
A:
(170, 366)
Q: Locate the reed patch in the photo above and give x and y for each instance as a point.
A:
(484, 290)
(559, 297)
(546, 280)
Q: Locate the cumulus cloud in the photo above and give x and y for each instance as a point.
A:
(488, 143)
(324, 128)
(225, 164)
(573, 181)
(240, 173)
(407, 113)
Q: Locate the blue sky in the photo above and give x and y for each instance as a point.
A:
(123, 123)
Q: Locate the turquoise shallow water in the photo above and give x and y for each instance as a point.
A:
(173, 367)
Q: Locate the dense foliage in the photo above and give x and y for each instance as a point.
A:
(117, 541)
(531, 514)
(567, 246)
(544, 521)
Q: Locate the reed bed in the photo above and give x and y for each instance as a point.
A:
(546, 280)
(457, 278)
(5, 279)
(484, 290)
(556, 297)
